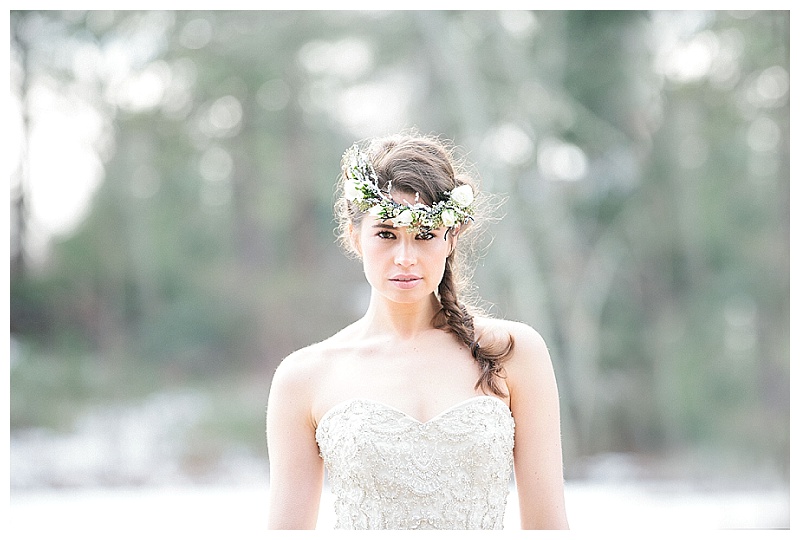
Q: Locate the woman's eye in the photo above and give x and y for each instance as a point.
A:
(426, 236)
(385, 235)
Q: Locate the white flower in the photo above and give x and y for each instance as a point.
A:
(351, 191)
(448, 217)
(375, 211)
(403, 219)
(462, 196)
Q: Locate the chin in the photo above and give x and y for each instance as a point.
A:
(406, 297)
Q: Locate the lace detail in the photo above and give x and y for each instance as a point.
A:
(387, 470)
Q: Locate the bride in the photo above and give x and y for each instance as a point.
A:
(420, 410)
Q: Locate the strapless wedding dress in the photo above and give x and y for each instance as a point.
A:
(388, 470)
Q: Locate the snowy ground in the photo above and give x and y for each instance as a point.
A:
(240, 512)
(143, 444)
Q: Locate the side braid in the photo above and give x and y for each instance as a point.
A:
(459, 321)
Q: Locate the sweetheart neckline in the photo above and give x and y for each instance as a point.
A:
(458, 405)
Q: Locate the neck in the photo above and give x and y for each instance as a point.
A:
(402, 321)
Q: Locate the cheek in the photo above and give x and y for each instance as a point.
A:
(368, 248)
(373, 257)
(435, 253)
(440, 259)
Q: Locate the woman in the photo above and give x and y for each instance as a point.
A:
(419, 409)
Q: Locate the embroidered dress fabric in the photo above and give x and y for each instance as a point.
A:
(388, 470)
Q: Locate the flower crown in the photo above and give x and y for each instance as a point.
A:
(361, 188)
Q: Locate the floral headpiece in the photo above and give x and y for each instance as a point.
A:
(361, 188)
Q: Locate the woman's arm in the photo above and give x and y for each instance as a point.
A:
(295, 468)
(538, 461)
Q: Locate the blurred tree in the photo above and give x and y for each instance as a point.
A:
(644, 157)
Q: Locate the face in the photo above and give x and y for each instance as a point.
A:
(402, 266)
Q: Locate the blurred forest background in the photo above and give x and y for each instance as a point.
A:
(172, 232)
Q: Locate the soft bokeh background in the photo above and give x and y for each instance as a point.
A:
(172, 237)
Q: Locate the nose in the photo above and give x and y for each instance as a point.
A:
(405, 254)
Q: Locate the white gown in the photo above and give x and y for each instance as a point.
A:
(387, 470)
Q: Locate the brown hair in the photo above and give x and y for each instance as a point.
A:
(426, 165)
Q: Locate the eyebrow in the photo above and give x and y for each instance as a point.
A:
(382, 226)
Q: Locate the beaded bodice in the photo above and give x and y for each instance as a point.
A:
(387, 470)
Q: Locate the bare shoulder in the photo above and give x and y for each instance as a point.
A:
(299, 367)
(529, 361)
(526, 339)
(302, 371)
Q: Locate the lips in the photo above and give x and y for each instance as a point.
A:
(405, 281)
